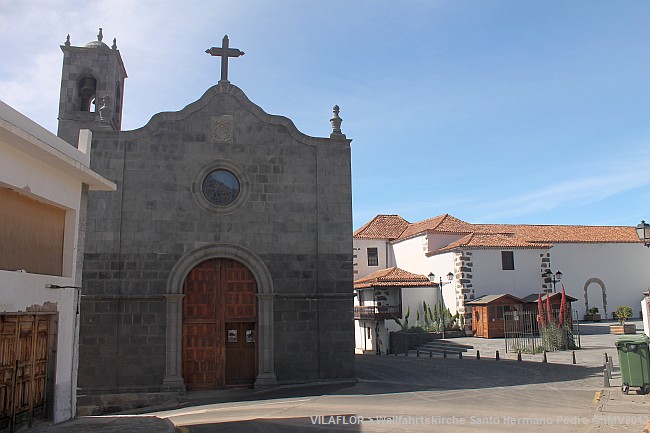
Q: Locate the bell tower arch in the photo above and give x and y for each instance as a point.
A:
(92, 88)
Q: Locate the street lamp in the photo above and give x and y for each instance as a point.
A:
(643, 232)
(432, 278)
(552, 277)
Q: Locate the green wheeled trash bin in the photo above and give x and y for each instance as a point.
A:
(634, 360)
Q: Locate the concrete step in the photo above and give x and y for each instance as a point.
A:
(445, 344)
(435, 353)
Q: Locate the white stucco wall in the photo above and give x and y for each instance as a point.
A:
(410, 255)
(361, 268)
(489, 278)
(624, 269)
(412, 298)
(39, 165)
(19, 290)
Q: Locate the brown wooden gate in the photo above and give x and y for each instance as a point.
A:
(24, 348)
(219, 325)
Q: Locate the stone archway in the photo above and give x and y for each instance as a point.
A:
(174, 299)
(603, 291)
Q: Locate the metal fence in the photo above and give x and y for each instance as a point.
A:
(522, 332)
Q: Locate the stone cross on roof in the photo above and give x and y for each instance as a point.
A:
(224, 52)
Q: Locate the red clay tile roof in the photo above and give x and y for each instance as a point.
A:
(496, 235)
(383, 227)
(392, 277)
(492, 240)
(562, 233)
(442, 223)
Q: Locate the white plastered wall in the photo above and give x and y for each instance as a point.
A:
(489, 278)
(361, 268)
(410, 255)
(36, 163)
(624, 269)
(20, 290)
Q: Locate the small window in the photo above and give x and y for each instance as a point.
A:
(373, 257)
(508, 260)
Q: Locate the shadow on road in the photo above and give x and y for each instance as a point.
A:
(388, 374)
(325, 423)
(450, 374)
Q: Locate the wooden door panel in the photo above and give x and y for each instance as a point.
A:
(24, 349)
(240, 352)
(219, 294)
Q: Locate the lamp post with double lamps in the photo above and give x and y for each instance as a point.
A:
(432, 278)
(552, 277)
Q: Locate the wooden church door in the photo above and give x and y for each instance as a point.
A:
(219, 325)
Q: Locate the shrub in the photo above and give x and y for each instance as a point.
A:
(555, 334)
(622, 314)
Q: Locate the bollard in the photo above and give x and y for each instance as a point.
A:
(460, 355)
(417, 353)
(605, 378)
(544, 358)
(611, 365)
(430, 354)
(444, 353)
(497, 356)
(478, 355)
(519, 356)
(574, 357)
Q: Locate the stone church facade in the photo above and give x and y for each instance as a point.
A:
(225, 256)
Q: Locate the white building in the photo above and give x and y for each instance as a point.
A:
(44, 183)
(384, 295)
(602, 266)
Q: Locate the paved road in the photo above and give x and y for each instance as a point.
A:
(420, 394)
(416, 395)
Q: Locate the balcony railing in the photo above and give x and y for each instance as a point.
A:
(377, 312)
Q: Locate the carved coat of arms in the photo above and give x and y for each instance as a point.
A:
(222, 128)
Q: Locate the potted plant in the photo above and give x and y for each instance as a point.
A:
(593, 315)
(622, 314)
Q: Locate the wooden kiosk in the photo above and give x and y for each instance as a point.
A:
(488, 314)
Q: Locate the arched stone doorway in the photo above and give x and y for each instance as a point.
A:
(174, 379)
(219, 325)
(603, 293)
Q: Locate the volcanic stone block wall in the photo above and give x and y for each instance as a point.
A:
(296, 217)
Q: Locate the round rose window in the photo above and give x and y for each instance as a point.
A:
(220, 187)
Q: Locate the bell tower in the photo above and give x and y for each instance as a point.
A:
(92, 88)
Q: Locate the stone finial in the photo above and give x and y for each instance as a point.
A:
(67, 40)
(100, 35)
(114, 46)
(336, 122)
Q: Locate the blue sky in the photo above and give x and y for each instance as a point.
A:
(493, 111)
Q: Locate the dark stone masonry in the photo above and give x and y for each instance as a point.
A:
(228, 242)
